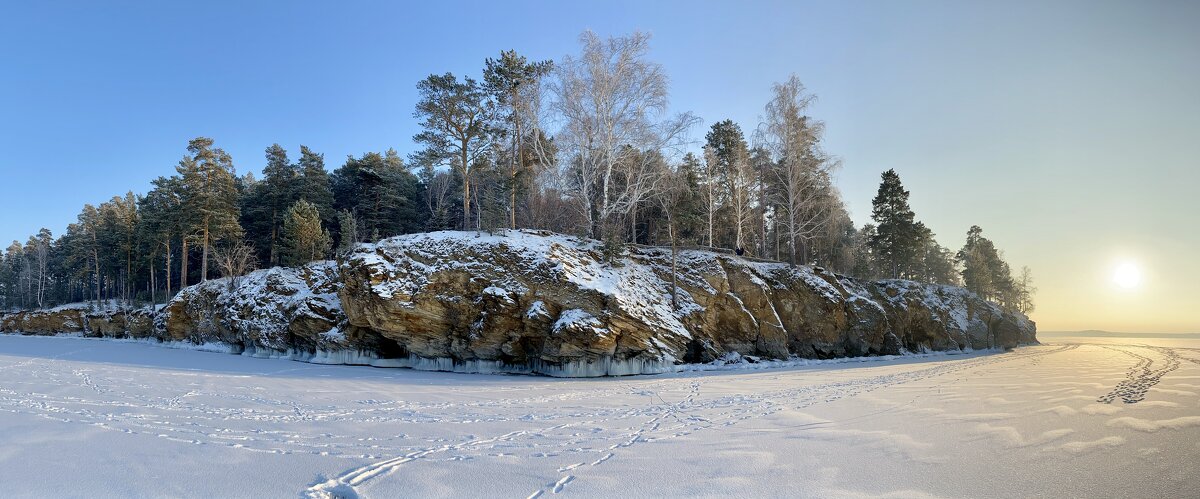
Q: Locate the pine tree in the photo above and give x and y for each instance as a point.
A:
(897, 236)
(689, 207)
(458, 126)
(507, 79)
(210, 199)
(985, 272)
(162, 225)
(15, 262)
(975, 257)
(40, 246)
(304, 237)
(866, 265)
(313, 184)
(267, 201)
(381, 193)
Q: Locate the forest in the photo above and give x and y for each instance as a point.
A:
(584, 145)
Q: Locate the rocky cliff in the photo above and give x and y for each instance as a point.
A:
(535, 302)
(82, 319)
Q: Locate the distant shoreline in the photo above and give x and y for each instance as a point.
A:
(1111, 334)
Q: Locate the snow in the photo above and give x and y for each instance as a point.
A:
(101, 418)
(631, 284)
(576, 319)
(537, 309)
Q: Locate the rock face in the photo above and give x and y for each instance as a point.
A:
(274, 312)
(537, 302)
(66, 319)
(545, 303)
(80, 318)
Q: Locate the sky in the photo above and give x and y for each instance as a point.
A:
(1069, 131)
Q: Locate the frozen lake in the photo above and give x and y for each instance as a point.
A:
(1082, 417)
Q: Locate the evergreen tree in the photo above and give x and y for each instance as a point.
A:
(119, 219)
(381, 193)
(985, 272)
(975, 257)
(304, 237)
(210, 199)
(162, 225)
(266, 203)
(897, 238)
(313, 184)
(506, 80)
(865, 264)
(458, 126)
(10, 275)
(689, 206)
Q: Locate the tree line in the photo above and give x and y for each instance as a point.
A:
(585, 145)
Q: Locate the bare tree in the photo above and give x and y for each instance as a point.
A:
(611, 100)
(1025, 291)
(802, 169)
(235, 260)
(41, 260)
(741, 203)
(713, 193)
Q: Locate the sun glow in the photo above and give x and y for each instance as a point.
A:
(1127, 275)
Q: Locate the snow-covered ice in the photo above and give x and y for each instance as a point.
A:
(1090, 417)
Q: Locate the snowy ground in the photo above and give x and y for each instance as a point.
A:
(94, 418)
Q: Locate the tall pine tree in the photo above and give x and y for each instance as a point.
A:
(313, 185)
(210, 199)
(897, 239)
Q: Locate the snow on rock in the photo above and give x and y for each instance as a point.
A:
(268, 312)
(534, 301)
(539, 302)
(107, 319)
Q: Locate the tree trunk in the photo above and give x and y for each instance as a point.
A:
(153, 284)
(674, 260)
(466, 174)
(168, 295)
(516, 163)
(710, 219)
(272, 259)
(204, 258)
(633, 232)
(183, 265)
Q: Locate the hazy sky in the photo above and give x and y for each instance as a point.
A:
(1069, 131)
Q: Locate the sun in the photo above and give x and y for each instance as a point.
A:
(1127, 275)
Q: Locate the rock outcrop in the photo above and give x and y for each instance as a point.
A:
(274, 312)
(110, 320)
(65, 319)
(537, 302)
(546, 303)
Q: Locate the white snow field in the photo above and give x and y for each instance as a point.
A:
(1072, 418)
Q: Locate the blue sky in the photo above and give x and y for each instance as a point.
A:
(1067, 130)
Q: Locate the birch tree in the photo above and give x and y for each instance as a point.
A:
(613, 104)
(732, 156)
(802, 170)
(41, 262)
